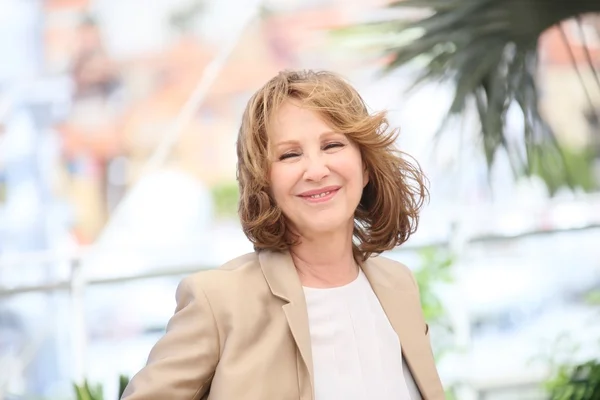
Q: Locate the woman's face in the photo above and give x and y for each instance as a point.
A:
(317, 175)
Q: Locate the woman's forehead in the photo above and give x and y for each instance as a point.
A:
(293, 118)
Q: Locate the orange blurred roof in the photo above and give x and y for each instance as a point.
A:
(555, 51)
(264, 49)
(54, 5)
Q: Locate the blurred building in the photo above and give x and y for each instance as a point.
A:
(126, 100)
(568, 79)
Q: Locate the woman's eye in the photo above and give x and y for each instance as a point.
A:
(288, 155)
(333, 145)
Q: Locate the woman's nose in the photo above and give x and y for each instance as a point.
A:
(316, 169)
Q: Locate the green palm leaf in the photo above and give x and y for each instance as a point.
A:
(488, 50)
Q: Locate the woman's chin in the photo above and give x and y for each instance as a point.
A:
(326, 227)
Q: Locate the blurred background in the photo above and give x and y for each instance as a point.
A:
(118, 122)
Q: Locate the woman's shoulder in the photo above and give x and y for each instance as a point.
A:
(233, 275)
(391, 271)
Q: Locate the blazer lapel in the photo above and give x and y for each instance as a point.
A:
(282, 278)
(400, 301)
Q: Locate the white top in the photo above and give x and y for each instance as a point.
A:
(356, 352)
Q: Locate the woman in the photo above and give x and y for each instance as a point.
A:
(310, 314)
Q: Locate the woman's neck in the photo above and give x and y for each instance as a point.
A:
(325, 261)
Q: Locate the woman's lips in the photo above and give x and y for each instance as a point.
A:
(320, 195)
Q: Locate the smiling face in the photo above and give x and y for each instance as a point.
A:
(316, 175)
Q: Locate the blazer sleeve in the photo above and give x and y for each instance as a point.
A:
(182, 363)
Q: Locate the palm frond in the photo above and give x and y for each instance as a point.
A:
(488, 50)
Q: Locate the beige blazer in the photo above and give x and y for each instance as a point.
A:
(241, 332)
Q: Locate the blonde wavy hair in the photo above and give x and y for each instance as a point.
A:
(388, 212)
